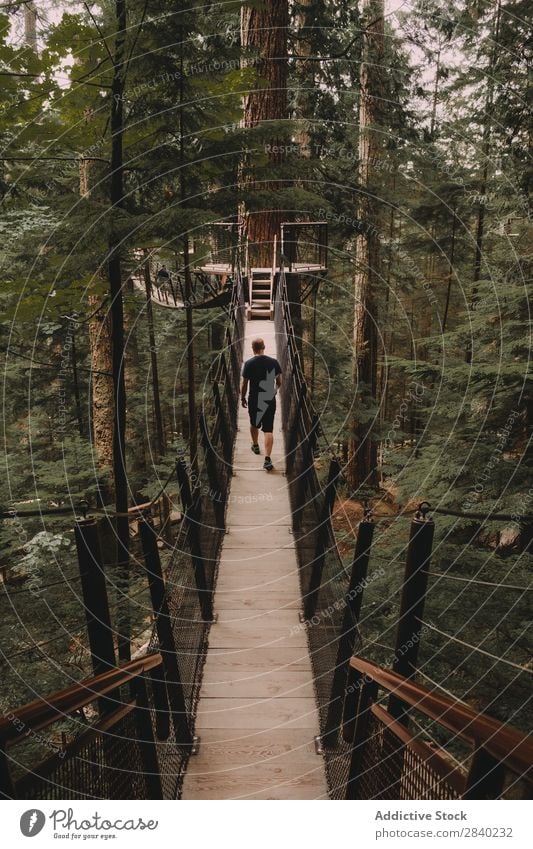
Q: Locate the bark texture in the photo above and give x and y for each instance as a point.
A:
(102, 406)
(264, 39)
(363, 454)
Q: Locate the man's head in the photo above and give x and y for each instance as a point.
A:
(258, 346)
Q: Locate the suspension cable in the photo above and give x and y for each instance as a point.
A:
(481, 583)
(476, 648)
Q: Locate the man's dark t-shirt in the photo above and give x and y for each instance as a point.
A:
(261, 372)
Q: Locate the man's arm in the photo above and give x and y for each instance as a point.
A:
(244, 390)
(278, 380)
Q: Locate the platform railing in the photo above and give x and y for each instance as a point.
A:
(479, 757)
(114, 758)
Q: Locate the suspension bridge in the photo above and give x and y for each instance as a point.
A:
(255, 683)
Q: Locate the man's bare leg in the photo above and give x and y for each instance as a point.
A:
(269, 442)
(254, 433)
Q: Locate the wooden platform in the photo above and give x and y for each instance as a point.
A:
(257, 716)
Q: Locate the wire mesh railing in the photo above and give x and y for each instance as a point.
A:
(141, 732)
(363, 607)
(325, 583)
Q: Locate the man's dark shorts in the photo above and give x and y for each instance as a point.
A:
(263, 419)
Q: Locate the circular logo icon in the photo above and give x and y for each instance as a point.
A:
(32, 822)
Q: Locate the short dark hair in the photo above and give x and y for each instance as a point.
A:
(258, 345)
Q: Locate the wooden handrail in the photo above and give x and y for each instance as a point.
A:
(43, 712)
(505, 743)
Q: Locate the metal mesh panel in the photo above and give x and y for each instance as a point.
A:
(419, 781)
(190, 631)
(392, 769)
(105, 765)
(315, 543)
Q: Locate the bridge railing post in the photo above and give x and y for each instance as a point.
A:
(95, 601)
(352, 608)
(367, 692)
(486, 776)
(165, 633)
(7, 788)
(146, 740)
(324, 529)
(215, 485)
(408, 632)
(161, 706)
(222, 428)
(303, 474)
(412, 601)
(191, 519)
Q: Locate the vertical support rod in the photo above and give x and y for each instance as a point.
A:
(165, 633)
(147, 744)
(222, 428)
(412, 603)
(352, 608)
(95, 602)
(166, 508)
(159, 693)
(7, 788)
(212, 472)
(360, 740)
(205, 595)
(485, 777)
(322, 540)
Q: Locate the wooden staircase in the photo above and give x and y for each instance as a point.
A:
(260, 306)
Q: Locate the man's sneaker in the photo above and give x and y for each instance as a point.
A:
(268, 464)
(255, 448)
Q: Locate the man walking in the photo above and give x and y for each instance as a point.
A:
(263, 375)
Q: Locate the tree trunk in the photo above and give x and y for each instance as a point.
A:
(305, 81)
(102, 406)
(264, 35)
(30, 26)
(134, 440)
(159, 429)
(363, 454)
(486, 150)
(117, 314)
(191, 376)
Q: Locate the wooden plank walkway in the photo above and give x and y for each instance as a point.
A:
(257, 715)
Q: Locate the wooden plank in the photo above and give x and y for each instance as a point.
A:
(253, 634)
(234, 581)
(260, 559)
(257, 715)
(267, 538)
(249, 713)
(269, 783)
(250, 599)
(262, 659)
(253, 684)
